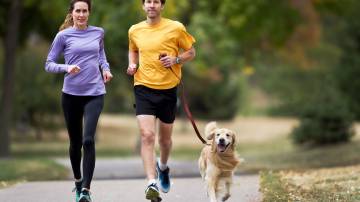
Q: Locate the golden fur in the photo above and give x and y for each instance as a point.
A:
(218, 161)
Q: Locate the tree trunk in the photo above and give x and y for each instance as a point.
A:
(10, 44)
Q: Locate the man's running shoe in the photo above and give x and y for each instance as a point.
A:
(163, 178)
(152, 192)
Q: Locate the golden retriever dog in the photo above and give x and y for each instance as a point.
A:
(218, 161)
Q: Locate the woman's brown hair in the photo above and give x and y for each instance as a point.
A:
(68, 22)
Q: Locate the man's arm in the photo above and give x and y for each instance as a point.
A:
(185, 56)
(133, 61)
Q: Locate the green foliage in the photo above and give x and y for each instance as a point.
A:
(229, 34)
(37, 93)
(116, 17)
(347, 71)
(214, 75)
(347, 75)
(255, 21)
(326, 119)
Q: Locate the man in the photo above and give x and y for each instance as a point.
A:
(157, 49)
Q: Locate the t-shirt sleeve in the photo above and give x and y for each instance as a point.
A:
(132, 44)
(186, 40)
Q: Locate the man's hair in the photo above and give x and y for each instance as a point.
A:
(162, 1)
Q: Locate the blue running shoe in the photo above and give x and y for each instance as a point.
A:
(152, 192)
(85, 196)
(163, 178)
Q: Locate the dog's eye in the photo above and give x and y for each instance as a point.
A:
(217, 135)
(227, 135)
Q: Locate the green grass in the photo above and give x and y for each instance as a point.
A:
(334, 184)
(29, 169)
(276, 154)
(280, 154)
(272, 188)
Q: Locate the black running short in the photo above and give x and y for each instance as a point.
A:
(160, 103)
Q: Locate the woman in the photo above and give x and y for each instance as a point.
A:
(86, 70)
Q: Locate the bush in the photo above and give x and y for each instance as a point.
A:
(326, 119)
(215, 99)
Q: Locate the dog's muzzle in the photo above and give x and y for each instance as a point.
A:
(222, 146)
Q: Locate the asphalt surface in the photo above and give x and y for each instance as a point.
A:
(245, 189)
(122, 180)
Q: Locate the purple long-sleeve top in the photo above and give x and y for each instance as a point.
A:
(84, 48)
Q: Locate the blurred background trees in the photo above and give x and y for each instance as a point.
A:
(300, 55)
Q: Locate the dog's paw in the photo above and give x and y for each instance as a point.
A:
(226, 197)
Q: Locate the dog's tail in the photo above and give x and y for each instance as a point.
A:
(210, 127)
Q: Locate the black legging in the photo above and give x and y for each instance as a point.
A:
(79, 110)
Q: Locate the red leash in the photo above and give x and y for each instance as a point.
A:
(185, 104)
(187, 110)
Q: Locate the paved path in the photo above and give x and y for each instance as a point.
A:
(122, 180)
(130, 168)
(183, 190)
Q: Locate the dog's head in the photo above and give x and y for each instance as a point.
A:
(223, 139)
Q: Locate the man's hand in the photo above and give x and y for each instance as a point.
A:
(167, 61)
(131, 70)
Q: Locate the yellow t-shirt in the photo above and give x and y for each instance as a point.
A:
(150, 41)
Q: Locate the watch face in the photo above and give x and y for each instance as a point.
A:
(177, 60)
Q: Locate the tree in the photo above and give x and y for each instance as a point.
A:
(10, 44)
(14, 30)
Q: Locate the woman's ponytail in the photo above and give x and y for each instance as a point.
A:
(68, 22)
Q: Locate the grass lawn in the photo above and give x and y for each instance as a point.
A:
(331, 184)
(33, 169)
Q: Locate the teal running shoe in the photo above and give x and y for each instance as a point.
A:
(85, 196)
(152, 192)
(163, 178)
(77, 190)
(77, 194)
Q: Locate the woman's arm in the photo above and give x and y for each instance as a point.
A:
(56, 48)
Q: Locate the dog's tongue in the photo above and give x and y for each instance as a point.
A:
(221, 147)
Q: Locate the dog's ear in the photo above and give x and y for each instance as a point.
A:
(210, 135)
(210, 130)
(233, 143)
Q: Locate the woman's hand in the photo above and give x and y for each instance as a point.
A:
(107, 76)
(73, 69)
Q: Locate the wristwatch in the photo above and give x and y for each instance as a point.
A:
(178, 60)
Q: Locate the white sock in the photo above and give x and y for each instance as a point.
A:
(151, 181)
(161, 165)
